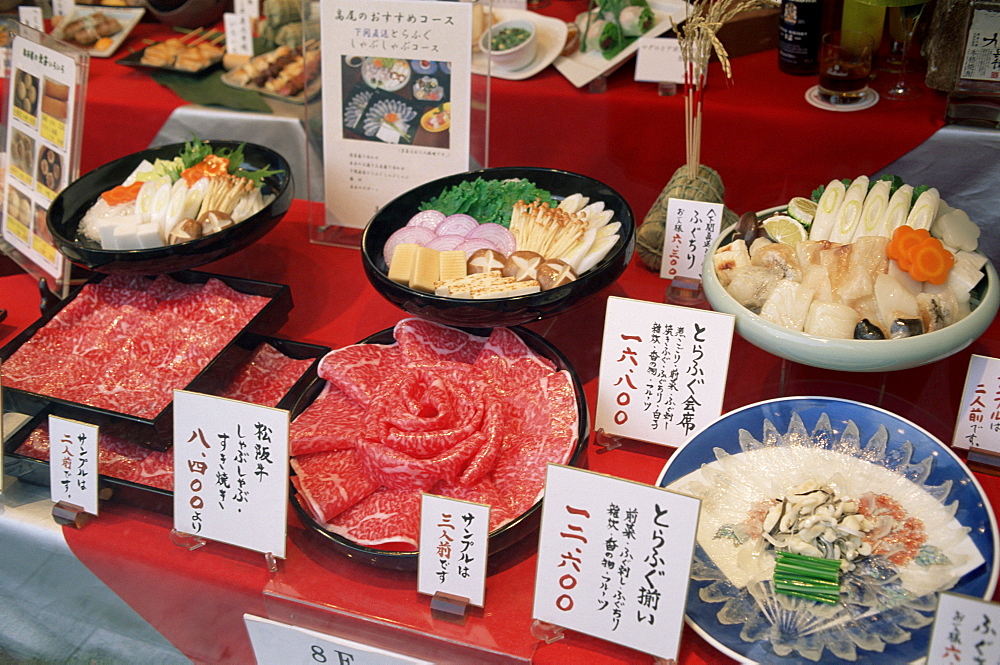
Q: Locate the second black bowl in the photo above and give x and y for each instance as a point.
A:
(497, 311)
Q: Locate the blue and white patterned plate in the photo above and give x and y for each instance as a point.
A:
(772, 446)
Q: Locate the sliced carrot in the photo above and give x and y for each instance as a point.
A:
(931, 262)
(919, 254)
(122, 194)
(904, 238)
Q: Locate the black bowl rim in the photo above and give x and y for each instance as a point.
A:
(373, 261)
(499, 539)
(219, 244)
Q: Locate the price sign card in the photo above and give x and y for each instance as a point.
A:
(453, 539)
(614, 559)
(63, 7)
(691, 227)
(978, 424)
(663, 370)
(231, 471)
(965, 631)
(277, 643)
(659, 59)
(250, 8)
(387, 133)
(31, 17)
(73, 463)
(239, 33)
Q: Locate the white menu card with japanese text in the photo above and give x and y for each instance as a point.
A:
(614, 559)
(965, 631)
(231, 472)
(396, 100)
(663, 370)
(73, 455)
(276, 643)
(453, 548)
(978, 423)
(691, 226)
(39, 147)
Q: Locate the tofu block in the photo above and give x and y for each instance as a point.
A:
(401, 266)
(147, 236)
(426, 270)
(451, 264)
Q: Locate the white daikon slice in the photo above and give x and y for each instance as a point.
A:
(956, 230)
(826, 210)
(924, 210)
(898, 208)
(872, 222)
(850, 210)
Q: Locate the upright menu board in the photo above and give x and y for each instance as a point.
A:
(43, 122)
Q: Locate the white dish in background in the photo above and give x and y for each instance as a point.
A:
(581, 68)
(551, 39)
(129, 17)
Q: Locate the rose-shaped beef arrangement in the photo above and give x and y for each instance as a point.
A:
(440, 411)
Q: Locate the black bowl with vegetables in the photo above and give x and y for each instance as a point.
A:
(269, 172)
(456, 195)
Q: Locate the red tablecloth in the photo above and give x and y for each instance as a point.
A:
(760, 134)
(197, 599)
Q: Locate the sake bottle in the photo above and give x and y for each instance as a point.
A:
(800, 28)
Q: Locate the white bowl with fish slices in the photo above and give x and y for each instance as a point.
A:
(852, 355)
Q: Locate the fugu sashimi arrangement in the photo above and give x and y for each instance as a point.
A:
(495, 239)
(439, 410)
(864, 259)
(170, 201)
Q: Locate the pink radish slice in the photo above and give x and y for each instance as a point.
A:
(458, 224)
(445, 242)
(502, 238)
(427, 219)
(472, 244)
(419, 235)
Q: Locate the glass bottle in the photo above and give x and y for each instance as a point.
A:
(800, 28)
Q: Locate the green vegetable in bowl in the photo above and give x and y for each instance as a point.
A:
(486, 200)
(507, 38)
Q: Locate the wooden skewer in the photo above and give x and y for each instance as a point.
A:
(193, 34)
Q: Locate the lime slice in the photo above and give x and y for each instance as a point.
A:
(783, 228)
(802, 209)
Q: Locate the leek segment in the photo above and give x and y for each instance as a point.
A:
(826, 210)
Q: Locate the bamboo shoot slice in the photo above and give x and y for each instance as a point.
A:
(850, 210)
(826, 210)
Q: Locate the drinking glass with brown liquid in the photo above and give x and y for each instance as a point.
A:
(845, 66)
